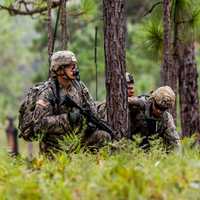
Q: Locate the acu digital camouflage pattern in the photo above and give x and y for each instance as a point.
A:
(60, 58)
(101, 109)
(52, 122)
(143, 123)
(164, 97)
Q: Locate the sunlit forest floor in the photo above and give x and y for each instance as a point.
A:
(116, 172)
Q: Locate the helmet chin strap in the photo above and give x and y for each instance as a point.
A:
(66, 77)
(75, 73)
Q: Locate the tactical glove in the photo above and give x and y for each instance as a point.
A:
(75, 117)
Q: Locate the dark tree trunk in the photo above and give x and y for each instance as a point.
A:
(114, 44)
(168, 69)
(175, 66)
(188, 90)
(63, 22)
(185, 64)
(50, 33)
(167, 61)
(174, 76)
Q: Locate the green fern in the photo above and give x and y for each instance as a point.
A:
(71, 143)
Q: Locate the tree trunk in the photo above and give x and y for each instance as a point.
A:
(168, 70)
(185, 65)
(188, 90)
(167, 61)
(50, 33)
(63, 22)
(173, 74)
(114, 44)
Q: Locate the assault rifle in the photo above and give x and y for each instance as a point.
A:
(100, 124)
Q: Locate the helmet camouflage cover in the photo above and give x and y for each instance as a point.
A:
(164, 97)
(60, 58)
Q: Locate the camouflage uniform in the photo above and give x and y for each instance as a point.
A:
(101, 109)
(52, 119)
(145, 124)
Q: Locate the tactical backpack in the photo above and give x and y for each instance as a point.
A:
(26, 111)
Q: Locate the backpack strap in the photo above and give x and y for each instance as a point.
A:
(77, 84)
(57, 95)
(55, 89)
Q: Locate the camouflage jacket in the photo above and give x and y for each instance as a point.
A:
(101, 110)
(51, 119)
(141, 122)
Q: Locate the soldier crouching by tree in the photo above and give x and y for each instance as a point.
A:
(52, 119)
(149, 117)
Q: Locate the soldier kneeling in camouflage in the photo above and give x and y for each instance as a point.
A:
(150, 117)
(53, 119)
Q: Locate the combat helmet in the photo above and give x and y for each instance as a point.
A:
(164, 97)
(129, 78)
(61, 58)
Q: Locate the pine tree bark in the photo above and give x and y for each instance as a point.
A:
(167, 61)
(176, 60)
(168, 69)
(188, 90)
(50, 31)
(114, 44)
(63, 22)
(186, 68)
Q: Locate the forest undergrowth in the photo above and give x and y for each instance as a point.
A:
(117, 171)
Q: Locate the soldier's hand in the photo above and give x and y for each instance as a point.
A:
(131, 100)
(91, 126)
(74, 117)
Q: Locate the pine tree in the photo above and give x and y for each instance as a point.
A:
(114, 43)
(185, 17)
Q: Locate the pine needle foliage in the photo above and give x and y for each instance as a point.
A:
(154, 37)
(186, 13)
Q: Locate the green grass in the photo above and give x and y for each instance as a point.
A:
(124, 173)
